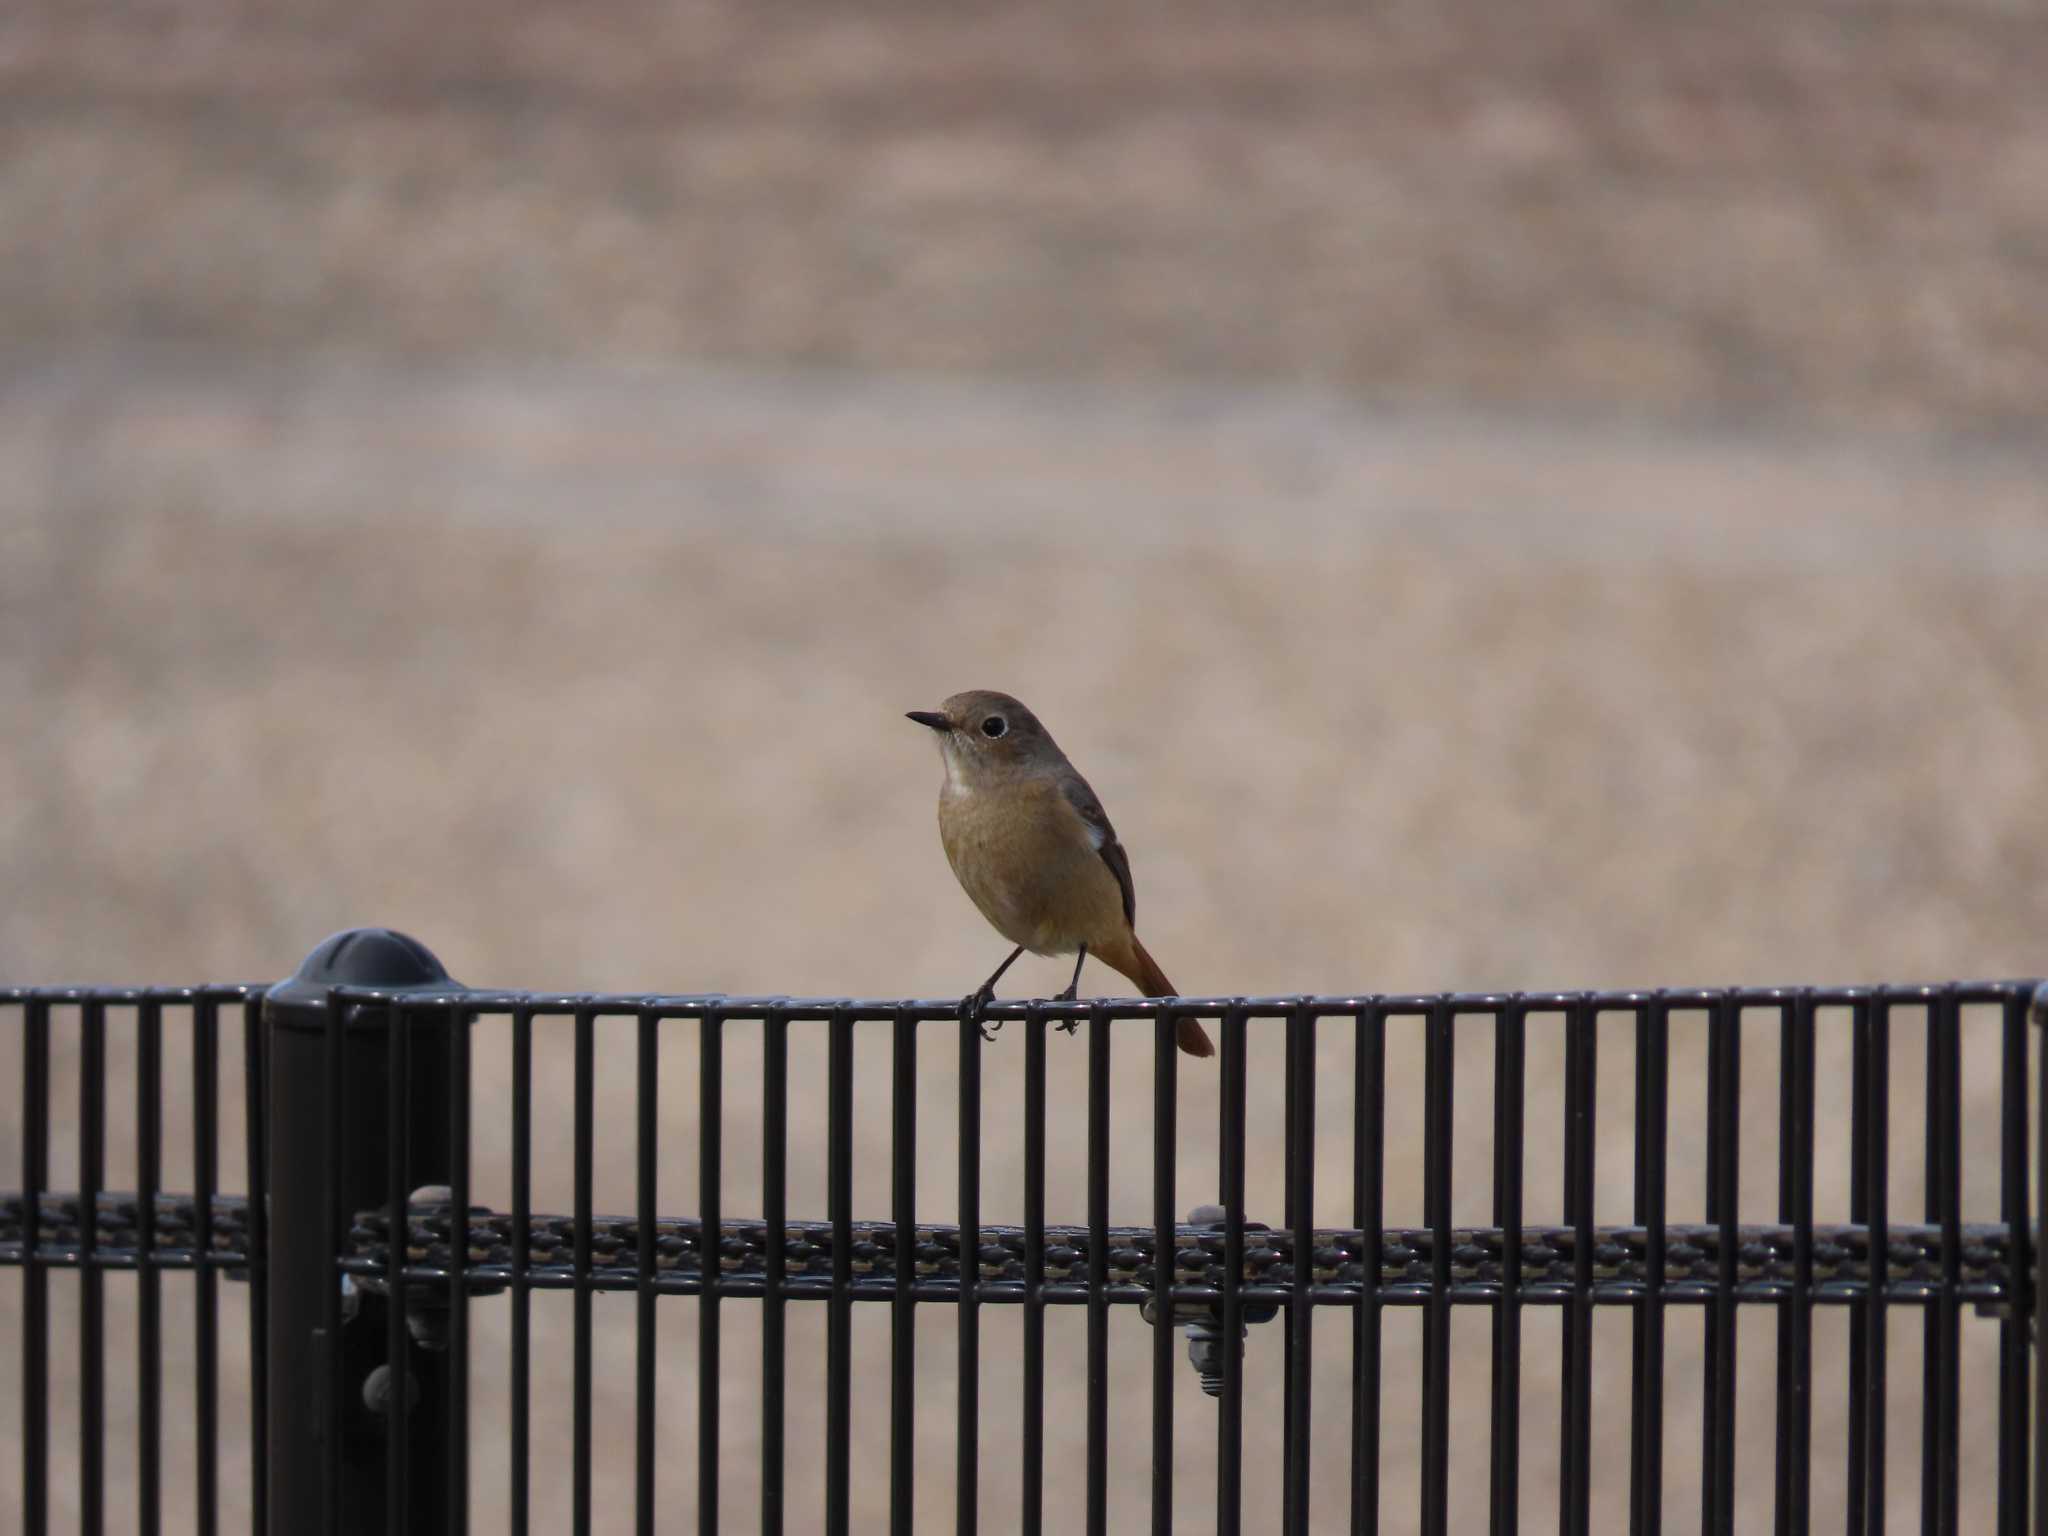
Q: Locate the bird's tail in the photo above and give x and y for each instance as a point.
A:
(1151, 981)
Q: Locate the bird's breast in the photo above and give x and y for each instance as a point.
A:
(1024, 859)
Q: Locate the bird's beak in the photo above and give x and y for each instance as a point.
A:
(930, 717)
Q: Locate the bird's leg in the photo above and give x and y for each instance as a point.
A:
(972, 1004)
(1074, 983)
(1073, 987)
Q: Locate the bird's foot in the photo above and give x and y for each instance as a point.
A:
(1068, 1026)
(971, 1007)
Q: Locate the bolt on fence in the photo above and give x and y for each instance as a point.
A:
(364, 1253)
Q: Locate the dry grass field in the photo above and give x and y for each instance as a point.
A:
(1487, 504)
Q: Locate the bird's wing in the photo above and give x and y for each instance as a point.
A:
(1103, 836)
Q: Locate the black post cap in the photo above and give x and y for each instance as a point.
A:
(381, 958)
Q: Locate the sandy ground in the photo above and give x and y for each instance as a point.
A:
(1792, 210)
(1486, 508)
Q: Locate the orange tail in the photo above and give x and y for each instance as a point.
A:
(1151, 981)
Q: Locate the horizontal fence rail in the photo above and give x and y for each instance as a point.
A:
(360, 1104)
(1767, 1261)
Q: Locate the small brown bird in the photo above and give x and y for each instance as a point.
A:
(1033, 848)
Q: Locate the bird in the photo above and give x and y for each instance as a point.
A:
(1033, 848)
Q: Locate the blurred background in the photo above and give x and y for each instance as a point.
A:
(1491, 499)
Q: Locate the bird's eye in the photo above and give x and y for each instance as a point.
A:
(994, 726)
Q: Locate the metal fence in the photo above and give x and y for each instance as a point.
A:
(364, 1253)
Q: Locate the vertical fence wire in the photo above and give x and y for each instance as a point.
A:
(1165, 1063)
(1933, 1337)
(1290, 1220)
(1097, 1489)
(1795, 1313)
(775, 1260)
(1876, 1164)
(585, 1131)
(522, 1248)
(903, 1305)
(149, 1361)
(1368, 1214)
(92, 1148)
(1508, 1074)
(1787, 1406)
(1931, 1332)
(2013, 1354)
(1230, 1405)
(255, 1081)
(1941, 1415)
(967, 1413)
(839, 1314)
(2037, 1016)
(1576, 1439)
(1858, 1490)
(1301, 1193)
(647, 1163)
(1437, 1085)
(206, 1304)
(35, 1298)
(711, 1214)
(1646, 1435)
(1724, 1131)
(1032, 1514)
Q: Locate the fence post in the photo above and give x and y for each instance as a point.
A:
(323, 1354)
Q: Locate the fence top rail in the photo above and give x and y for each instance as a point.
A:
(203, 992)
(1355, 1004)
(1351, 1004)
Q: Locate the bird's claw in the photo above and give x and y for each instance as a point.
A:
(1067, 1026)
(970, 1013)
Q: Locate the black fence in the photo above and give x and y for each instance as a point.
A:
(363, 1254)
